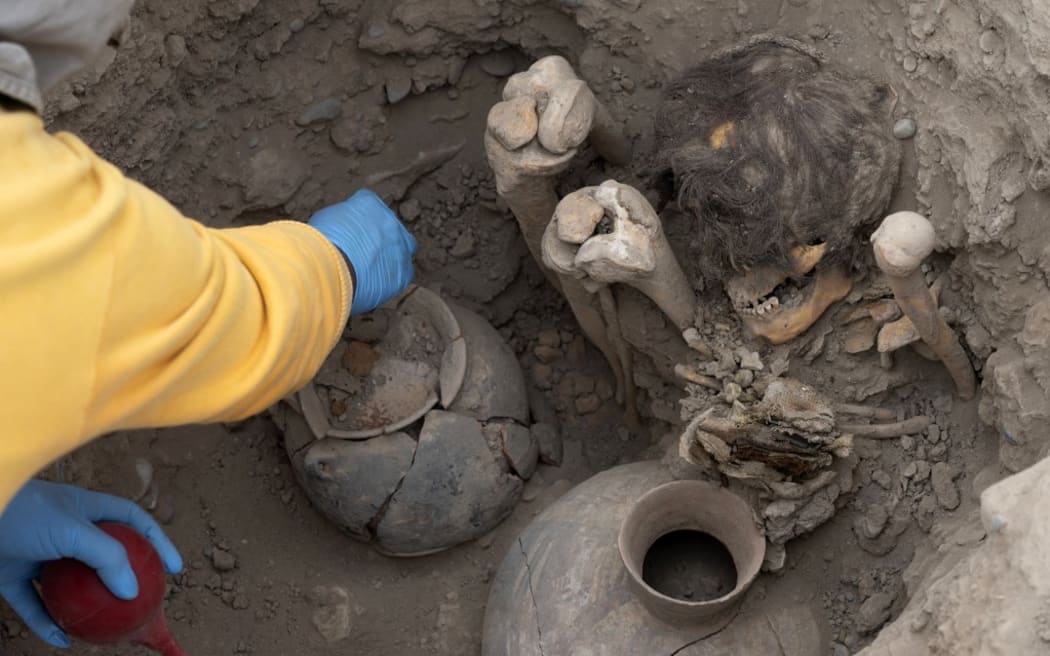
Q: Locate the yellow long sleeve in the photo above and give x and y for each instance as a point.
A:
(117, 312)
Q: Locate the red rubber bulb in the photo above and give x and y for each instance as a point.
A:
(82, 605)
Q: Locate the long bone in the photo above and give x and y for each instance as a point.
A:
(901, 244)
(633, 251)
(531, 137)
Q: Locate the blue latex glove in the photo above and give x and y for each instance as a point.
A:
(48, 521)
(377, 246)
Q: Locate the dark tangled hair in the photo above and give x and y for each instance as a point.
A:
(770, 147)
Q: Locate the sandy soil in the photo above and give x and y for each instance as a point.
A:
(240, 111)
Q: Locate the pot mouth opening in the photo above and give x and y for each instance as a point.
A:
(690, 566)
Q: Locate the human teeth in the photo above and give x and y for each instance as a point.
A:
(761, 309)
(775, 302)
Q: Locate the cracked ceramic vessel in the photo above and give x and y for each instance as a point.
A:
(423, 455)
(563, 589)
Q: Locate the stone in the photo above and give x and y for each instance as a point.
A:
(223, 561)
(588, 404)
(331, 617)
(943, 479)
(549, 441)
(397, 89)
(750, 360)
(410, 210)
(547, 354)
(323, 111)
(464, 247)
(905, 128)
(732, 392)
(541, 375)
(922, 470)
(874, 612)
(582, 385)
(744, 378)
(271, 178)
(549, 337)
(883, 479)
(874, 521)
(498, 63)
(296, 25)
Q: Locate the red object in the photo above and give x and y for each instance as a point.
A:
(85, 608)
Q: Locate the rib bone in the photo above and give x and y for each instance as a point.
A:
(901, 243)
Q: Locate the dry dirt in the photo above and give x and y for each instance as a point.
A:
(241, 111)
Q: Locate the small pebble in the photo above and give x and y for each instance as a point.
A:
(323, 111)
(497, 63)
(410, 210)
(910, 63)
(398, 89)
(296, 25)
(587, 404)
(905, 128)
(223, 561)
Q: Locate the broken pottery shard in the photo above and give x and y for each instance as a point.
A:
(494, 385)
(514, 123)
(519, 447)
(551, 448)
(453, 371)
(455, 491)
(350, 481)
(399, 393)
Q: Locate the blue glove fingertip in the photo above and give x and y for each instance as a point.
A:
(58, 638)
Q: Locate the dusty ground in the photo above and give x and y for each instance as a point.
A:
(240, 111)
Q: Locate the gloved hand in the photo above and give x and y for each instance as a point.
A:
(378, 247)
(48, 521)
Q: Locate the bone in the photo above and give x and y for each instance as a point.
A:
(901, 244)
(523, 180)
(902, 332)
(612, 324)
(525, 173)
(887, 431)
(865, 411)
(514, 123)
(573, 107)
(635, 252)
(688, 374)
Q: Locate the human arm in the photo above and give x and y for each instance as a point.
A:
(121, 313)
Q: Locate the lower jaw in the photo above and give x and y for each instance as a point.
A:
(830, 286)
